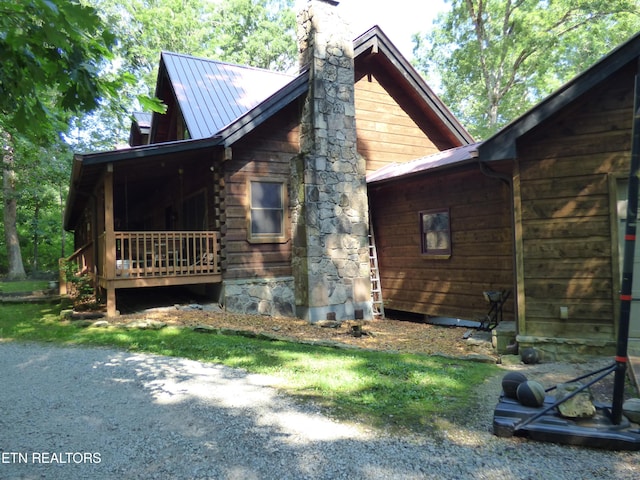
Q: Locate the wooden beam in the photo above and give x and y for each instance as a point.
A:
(519, 248)
(109, 241)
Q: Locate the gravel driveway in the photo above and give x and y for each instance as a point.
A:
(77, 413)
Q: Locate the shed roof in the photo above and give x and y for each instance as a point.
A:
(441, 160)
(502, 145)
(213, 94)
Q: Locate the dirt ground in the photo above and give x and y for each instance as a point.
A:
(390, 334)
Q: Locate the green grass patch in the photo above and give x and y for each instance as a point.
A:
(23, 286)
(387, 390)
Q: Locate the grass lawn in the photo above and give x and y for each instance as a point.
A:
(23, 286)
(385, 390)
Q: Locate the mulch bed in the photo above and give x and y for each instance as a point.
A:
(384, 335)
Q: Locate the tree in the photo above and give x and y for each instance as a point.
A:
(260, 33)
(52, 55)
(497, 58)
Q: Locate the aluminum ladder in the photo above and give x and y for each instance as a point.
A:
(376, 290)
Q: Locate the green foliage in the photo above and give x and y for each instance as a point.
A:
(52, 54)
(260, 33)
(497, 58)
(408, 392)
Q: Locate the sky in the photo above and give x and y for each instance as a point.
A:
(399, 19)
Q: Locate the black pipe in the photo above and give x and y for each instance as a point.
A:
(627, 266)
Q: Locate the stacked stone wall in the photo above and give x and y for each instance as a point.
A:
(273, 297)
(328, 190)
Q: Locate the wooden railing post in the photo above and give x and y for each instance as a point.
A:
(110, 243)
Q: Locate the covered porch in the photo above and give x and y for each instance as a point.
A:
(146, 217)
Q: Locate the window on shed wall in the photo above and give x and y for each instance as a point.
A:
(267, 211)
(435, 233)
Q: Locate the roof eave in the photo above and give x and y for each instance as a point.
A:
(503, 144)
(375, 39)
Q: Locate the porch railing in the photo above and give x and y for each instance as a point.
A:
(144, 254)
(78, 263)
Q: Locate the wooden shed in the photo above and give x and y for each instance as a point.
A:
(443, 231)
(570, 157)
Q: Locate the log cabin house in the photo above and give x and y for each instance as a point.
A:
(253, 182)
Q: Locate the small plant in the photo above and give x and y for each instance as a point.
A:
(80, 287)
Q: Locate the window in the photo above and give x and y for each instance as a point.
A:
(435, 233)
(267, 211)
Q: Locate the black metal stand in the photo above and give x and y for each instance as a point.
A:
(496, 300)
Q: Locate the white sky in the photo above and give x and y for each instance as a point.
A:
(399, 19)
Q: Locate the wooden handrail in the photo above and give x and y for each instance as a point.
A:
(166, 253)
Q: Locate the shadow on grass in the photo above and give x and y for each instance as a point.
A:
(404, 391)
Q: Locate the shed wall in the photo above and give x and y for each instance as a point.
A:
(482, 245)
(569, 241)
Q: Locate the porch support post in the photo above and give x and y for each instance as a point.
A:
(109, 242)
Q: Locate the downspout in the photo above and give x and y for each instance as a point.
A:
(507, 180)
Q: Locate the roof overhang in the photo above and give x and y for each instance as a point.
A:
(445, 160)
(375, 42)
(503, 145)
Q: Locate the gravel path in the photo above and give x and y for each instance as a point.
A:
(77, 413)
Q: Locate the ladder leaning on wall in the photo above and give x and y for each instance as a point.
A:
(376, 289)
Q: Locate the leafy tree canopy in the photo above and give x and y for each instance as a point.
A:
(495, 59)
(260, 33)
(52, 54)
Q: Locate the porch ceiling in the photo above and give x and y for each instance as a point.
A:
(139, 164)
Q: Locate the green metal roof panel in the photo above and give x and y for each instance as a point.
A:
(213, 94)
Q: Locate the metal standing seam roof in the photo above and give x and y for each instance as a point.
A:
(440, 160)
(213, 94)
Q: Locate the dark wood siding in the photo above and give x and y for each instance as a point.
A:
(386, 132)
(264, 153)
(567, 200)
(482, 253)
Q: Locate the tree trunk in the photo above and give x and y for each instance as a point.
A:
(36, 237)
(14, 256)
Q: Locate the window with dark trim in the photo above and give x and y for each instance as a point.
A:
(267, 210)
(435, 233)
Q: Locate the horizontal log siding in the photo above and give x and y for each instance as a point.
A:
(264, 153)
(568, 248)
(482, 254)
(386, 133)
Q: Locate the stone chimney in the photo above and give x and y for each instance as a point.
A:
(329, 193)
